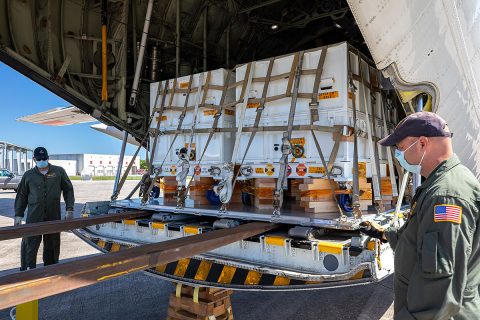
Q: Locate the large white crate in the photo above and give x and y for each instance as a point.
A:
(220, 148)
(333, 92)
(170, 118)
(335, 107)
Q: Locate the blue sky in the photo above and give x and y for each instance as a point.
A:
(20, 96)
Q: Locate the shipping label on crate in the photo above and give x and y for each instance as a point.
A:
(209, 112)
(164, 118)
(316, 170)
(212, 112)
(328, 95)
(259, 171)
(300, 141)
(253, 105)
(183, 85)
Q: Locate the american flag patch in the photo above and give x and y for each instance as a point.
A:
(448, 212)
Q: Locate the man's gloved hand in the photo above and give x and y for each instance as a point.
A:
(69, 215)
(17, 221)
(373, 230)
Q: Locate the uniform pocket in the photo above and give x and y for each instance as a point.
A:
(434, 262)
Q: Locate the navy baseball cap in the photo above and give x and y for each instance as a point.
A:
(40, 153)
(418, 124)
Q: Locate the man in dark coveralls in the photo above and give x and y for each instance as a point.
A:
(437, 250)
(40, 190)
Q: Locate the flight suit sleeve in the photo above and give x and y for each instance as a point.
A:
(393, 234)
(68, 194)
(21, 200)
(438, 282)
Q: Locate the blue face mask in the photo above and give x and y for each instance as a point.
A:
(413, 168)
(42, 164)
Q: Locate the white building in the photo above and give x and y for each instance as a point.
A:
(93, 164)
(15, 158)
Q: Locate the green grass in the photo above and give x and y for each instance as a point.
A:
(102, 178)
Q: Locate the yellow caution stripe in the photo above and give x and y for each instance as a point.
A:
(330, 247)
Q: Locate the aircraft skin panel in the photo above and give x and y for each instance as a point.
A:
(434, 44)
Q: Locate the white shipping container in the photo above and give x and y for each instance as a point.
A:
(335, 107)
(176, 101)
(221, 145)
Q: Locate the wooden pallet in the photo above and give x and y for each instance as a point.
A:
(198, 190)
(168, 187)
(293, 191)
(316, 197)
(212, 304)
(263, 191)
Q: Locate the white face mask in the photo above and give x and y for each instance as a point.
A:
(413, 168)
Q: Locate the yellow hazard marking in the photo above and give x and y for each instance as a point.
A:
(259, 170)
(281, 281)
(330, 247)
(203, 270)
(183, 85)
(300, 141)
(328, 95)
(317, 170)
(275, 241)
(269, 169)
(181, 268)
(253, 105)
(253, 277)
(28, 310)
(161, 268)
(115, 247)
(101, 243)
(129, 221)
(158, 225)
(191, 230)
(227, 274)
(85, 215)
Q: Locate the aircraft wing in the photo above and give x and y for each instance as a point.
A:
(432, 47)
(59, 117)
(72, 115)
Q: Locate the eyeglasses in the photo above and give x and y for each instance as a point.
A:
(41, 159)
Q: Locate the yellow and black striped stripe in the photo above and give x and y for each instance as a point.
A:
(212, 273)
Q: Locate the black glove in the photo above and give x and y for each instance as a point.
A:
(373, 230)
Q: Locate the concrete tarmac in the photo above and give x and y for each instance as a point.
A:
(140, 296)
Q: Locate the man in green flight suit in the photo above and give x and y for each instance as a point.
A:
(40, 190)
(437, 250)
